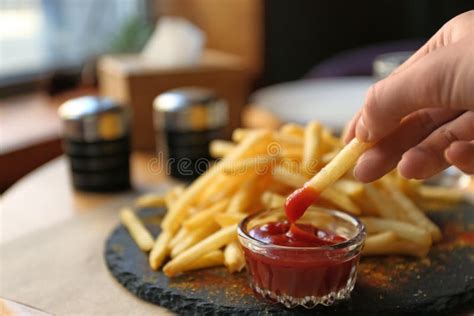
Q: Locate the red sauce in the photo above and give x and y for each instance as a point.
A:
(467, 237)
(298, 201)
(297, 272)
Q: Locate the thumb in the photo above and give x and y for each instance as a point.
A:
(440, 79)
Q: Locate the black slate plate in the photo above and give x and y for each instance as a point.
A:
(392, 285)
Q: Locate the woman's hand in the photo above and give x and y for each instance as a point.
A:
(422, 115)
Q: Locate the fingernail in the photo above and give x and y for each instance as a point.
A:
(362, 132)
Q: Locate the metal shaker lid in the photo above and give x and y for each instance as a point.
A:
(189, 109)
(93, 118)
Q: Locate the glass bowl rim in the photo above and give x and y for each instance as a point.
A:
(356, 240)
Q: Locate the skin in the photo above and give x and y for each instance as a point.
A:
(422, 116)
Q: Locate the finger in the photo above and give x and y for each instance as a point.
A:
(386, 154)
(461, 155)
(350, 129)
(427, 158)
(437, 80)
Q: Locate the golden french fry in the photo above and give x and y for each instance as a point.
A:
(233, 257)
(259, 164)
(385, 244)
(180, 236)
(172, 195)
(407, 186)
(330, 142)
(292, 129)
(351, 188)
(215, 241)
(137, 230)
(382, 203)
(160, 250)
(150, 200)
(291, 153)
(220, 148)
(437, 193)
(332, 195)
(312, 148)
(337, 167)
(204, 216)
(272, 200)
(290, 178)
(376, 244)
(402, 230)
(209, 260)
(254, 144)
(228, 219)
(327, 157)
(413, 214)
(340, 200)
(194, 237)
(244, 197)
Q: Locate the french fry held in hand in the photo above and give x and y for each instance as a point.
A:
(137, 230)
(199, 229)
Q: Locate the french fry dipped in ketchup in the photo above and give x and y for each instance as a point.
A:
(297, 202)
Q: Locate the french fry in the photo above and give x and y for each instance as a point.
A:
(233, 257)
(292, 129)
(160, 250)
(253, 144)
(209, 260)
(215, 241)
(330, 194)
(375, 244)
(327, 157)
(386, 243)
(242, 199)
(137, 230)
(253, 165)
(150, 200)
(410, 210)
(205, 216)
(194, 237)
(290, 178)
(291, 153)
(228, 219)
(384, 206)
(351, 188)
(312, 147)
(337, 167)
(437, 193)
(180, 236)
(330, 142)
(402, 230)
(220, 148)
(272, 200)
(340, 200)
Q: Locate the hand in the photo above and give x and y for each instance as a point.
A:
(422, 115)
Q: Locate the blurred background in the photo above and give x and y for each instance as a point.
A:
(272, 61)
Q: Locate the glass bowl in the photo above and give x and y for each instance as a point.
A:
(305, 276)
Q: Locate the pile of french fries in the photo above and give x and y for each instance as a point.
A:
(257, 171)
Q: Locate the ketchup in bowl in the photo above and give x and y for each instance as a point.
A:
(309, 262)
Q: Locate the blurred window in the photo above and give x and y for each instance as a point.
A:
(37, 36)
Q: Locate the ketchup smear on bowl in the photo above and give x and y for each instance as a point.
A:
(296, 272)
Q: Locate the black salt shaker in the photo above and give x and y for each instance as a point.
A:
(186, 120)
(96, 139)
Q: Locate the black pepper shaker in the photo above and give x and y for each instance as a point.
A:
(96, 139)
(186, 121)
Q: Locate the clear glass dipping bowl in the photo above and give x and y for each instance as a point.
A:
(305, 276)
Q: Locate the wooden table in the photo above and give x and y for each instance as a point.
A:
(52, 241)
